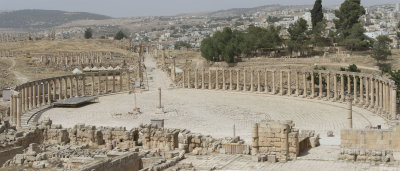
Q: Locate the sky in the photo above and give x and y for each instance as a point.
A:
(133, 8)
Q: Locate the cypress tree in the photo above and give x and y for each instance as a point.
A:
(316, 13)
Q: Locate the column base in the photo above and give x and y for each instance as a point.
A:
(160, 110)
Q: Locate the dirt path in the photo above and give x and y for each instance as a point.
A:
(21, 78)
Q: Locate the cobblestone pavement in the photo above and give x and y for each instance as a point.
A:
(310, 162)
(214, 112)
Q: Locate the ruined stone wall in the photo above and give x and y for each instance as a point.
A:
(280, 140)
(9, 153)
(164, 139)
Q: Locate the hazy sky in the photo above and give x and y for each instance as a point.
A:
(128, 8)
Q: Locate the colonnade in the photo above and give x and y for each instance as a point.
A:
(375, 93)
(35, 94)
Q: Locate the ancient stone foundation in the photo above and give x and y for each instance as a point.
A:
(280, 141)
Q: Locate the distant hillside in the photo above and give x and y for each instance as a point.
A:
(240, 11)
(43, 19)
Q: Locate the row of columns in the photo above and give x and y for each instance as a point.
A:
(373, 92)
(35, 94)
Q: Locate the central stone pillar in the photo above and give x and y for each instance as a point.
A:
(349, 84)
(60, 96)
(355, 88)
(350, 111)
(366, 92)
(183, 79)
(297, 83)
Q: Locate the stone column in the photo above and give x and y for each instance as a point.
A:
(26, 98)
(304, 84)
(19, 111)
(258, 82)
(183, 79)
(230, 80)
(355, 88)
(92, 75)
(349, 85)
(297, 83)
(238, 80)
(312, 85)
(113, 88)
(244, 80)
(252, 80)
(361, 90)
(34, 95)
(71, 87)
(254, 144)
(342, 87)
(335, 94)
(196, 83)
(394, 102)
(328, 86)
(320, 84)
(380, 96)
(128, 80)
(188, 79)
(289, 84)
(48, 92)
(76, 86)
(216, 80)
(281, 82)
(99, 85)
(12, 107)
(202, 78)
(209, 80)
(376, 95)
(60, 96)
(106, 90)
(159, 98)
(173, 70)
(366, 92)
(350, 112)
(22, 91)
(121, 78)
(223, 80)
(266, 81)
(273, 83)
(371, 83)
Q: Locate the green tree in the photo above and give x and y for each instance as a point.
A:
(317, 38)
(298, 37)
(88, 33)
(381, 49)
(316, 13)
(348, 14)
(357, 40)
(120, 35)
(180, 44)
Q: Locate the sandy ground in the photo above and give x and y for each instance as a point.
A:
(213, 112)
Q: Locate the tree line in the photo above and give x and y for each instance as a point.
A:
(227, 45)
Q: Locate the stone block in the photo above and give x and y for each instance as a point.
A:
(272, 158)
